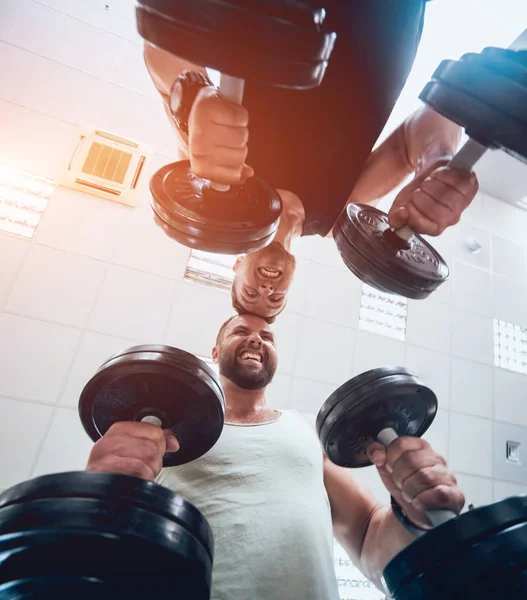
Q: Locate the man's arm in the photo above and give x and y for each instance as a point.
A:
(164, 68)
(368, 531)
(422, 140)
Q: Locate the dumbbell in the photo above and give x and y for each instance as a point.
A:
(101, 535)
(161, 385)
(89, 534)
(277, 43)
(462, 557)
(487, 95)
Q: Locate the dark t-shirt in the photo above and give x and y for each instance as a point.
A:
(315, 143)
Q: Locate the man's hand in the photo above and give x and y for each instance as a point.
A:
(417, 477)
(218, 135)
(131, 448)
(434, 200)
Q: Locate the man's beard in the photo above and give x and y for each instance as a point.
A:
(246, 377)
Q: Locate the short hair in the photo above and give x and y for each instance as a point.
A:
(221, 332)
(241, 310)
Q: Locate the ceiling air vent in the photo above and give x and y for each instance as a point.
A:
(106, 165)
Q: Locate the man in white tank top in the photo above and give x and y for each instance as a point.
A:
(274, 502)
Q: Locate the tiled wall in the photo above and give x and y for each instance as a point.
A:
(98, 276)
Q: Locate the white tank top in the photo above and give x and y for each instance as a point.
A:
(261, 488)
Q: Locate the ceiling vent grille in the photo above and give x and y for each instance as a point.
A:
(106, 165)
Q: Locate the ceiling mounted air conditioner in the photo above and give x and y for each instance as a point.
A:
(107, 165)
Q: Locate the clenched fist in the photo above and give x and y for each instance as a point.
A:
(417, 477)
(131, 448)
(434, 200)
(218, 135)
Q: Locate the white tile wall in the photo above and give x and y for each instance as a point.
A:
(508, 300)
(438, 433)
(336, 296)
(372, 351)
(29, 25)
(22, 428)
(320, 250)
(287, 329)
(67, 62)
(508, 259)
(309, 395)
(506, 489)
(472, 336)
(472, 288)
(478, 490)
(16, 65)
(211, 306)
(462, 232)
(297, 298)
(428, 325)
(34, 357)
(325, 351)
(66, 447)
(50, 141)
(56, 286)
(470, 445)
(510, 397)
(471, 388)
(120, 19)
(81, 223)
(504, 220)
(142, 245)
(93, 351)
(12, 253)
(433, 368)
(133, 305)
(278, 394)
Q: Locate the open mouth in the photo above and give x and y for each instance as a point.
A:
(269, 273)
(252, 357)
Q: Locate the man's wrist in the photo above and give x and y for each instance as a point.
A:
(401, 516)
(183, 94)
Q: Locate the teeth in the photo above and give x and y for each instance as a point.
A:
(251, 356)
(270, 273)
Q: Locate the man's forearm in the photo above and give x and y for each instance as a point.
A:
(421, 140)
(429, 137)
(163, 69)
(385, 537)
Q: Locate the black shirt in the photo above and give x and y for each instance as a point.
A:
(315, 143)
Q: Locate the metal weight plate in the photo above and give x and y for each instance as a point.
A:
(485, 80)
(502, 555)
(244, 219)
(171, 384)
(451, 539)
(377, 256)
(278, 43)
(54, 587)
(358, 410)
(101, 539)
(117, 488)
(487, 95)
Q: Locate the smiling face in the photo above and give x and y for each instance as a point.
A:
(262, 281)
(246, 352)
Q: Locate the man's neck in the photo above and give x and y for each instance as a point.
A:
(245, 406)
(291, 220)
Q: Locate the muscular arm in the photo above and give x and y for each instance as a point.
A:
(422, 139)
(163, 68)
(368, 531)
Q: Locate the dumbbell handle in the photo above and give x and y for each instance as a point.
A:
(436, 516)
(230, 88)
(152, 420)
(464, 160)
